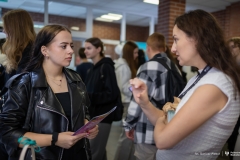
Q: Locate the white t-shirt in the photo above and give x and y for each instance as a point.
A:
(206, 142)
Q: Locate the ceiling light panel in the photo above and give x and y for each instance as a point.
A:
(110, 17)
(103, 19)
(156, 2)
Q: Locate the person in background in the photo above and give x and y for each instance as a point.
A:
(103, 92)
(128, 48)
(84, 65)
(123, 69)
(2, 41)
(209, 105)
(60, 101)
(141, 57)
(183, 73)
(153, 73)
(2, 56)
(20, 35)
(234, 45)
(234, 139)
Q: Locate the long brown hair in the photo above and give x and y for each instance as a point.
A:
(128, 50)
(18, 26)
(211, 45)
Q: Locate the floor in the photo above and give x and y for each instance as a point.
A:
(113, 141)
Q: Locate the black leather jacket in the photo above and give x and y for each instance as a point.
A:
(48, 115)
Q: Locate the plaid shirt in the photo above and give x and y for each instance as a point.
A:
(154, 75)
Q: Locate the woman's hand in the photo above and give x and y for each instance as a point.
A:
(140, 92)
(67, 140)
(92, 133)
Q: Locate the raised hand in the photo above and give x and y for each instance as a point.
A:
(140, 92)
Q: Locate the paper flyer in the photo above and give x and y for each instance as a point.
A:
(93, 122)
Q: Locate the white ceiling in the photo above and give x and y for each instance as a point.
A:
(137, 12)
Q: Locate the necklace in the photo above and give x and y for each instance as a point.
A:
(53, 80)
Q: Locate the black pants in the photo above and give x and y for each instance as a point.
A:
(233, 138)
(3, 152)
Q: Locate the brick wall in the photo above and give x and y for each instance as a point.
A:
(55, 19)
(168, 10)
(106, 30)
(136, 33)
(103, 30)
(229, 20)
(221, 18)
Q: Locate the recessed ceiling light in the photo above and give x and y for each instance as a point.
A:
(75, 28)
(38, 26)
(115, 15)
(152, 1)
(107, 16)
(103, 19)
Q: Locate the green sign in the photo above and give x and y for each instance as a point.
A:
(3, 0)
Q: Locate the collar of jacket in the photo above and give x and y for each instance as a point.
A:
(50, 102)
(162, 54)
(39, 77)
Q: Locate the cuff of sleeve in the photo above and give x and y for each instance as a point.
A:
(127, 128)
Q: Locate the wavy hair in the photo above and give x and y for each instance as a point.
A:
(44, 38)
(211, 45)
(19, 29)
(127, 51)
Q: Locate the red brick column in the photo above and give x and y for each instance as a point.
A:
(168, 10)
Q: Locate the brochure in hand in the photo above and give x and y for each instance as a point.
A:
(93, 122)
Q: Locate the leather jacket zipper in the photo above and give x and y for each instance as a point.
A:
(61, 115)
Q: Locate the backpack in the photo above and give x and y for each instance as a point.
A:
(118, 112)
(174, 82)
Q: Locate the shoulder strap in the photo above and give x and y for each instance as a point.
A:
(101, 71)
(30, 107)
(164, 63)
(161, 61)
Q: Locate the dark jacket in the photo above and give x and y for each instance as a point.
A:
(83, 68)
(48, 115)
(4, 77)
(103, 91)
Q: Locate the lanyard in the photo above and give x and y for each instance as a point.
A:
(203, 73)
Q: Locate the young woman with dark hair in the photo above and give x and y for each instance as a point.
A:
(103, 92)
(59, 102)
(210, 103)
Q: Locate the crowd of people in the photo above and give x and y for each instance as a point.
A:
(44, 101)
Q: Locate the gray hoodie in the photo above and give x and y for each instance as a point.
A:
(123, 75)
